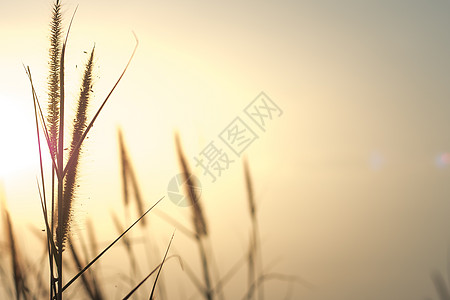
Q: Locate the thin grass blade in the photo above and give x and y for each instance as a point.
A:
(108, 247)
(160, 268)
(148, 276)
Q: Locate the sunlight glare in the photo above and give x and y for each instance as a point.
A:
(17, 136)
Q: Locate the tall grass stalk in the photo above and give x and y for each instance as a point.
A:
(63, 175)
(54, 73)
(16, 262)
(129, 179)
(255, 249)
(70, 180)
(60, 231)
(51, 249)
(53, 103)
(198, 219)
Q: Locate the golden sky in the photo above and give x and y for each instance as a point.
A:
(351, 180)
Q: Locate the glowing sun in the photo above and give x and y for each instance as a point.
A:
(18, 142)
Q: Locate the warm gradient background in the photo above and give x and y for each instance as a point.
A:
(352, 181)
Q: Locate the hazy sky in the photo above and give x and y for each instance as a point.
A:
(351, 180)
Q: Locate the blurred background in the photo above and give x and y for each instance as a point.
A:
(351, 180)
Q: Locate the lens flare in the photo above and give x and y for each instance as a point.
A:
(376, 161)
(443, 160)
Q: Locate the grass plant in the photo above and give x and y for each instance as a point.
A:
(58, 195)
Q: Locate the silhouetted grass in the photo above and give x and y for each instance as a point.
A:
(19, 276)
(440, 285)
(80, 123)
(58, 214)
(254, 252)
(63, 174)
(129, 179)
(198, 218)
